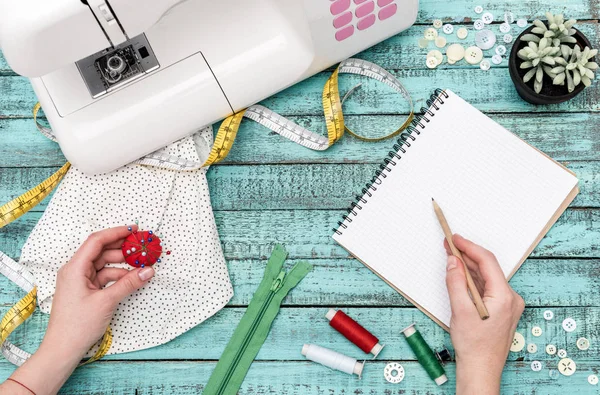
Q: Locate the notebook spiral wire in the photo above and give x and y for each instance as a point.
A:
(419, 123)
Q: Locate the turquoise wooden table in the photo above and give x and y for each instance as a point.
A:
(270, 189)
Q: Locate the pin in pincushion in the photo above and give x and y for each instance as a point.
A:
(142, 248)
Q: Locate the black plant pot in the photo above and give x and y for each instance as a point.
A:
(550, 94)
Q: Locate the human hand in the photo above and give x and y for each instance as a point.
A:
(481, 346)
(81, 309)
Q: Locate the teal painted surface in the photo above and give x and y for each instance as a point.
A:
(293, 195)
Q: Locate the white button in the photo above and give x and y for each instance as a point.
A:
(448, 28)
(440, 42)
(553, 373)
(583, 343)
(518, 340)
(501, 50)
(437, 23)
(508, 38)
(550, 349)
(522, 22)
(473, 55)
(509, 17)
(536, 366)
(430, 34)
(393, 372)
(569, 325)
(531, 348)
(485, 65)
(478, 9)
(432, 63)
(505, 27)
(593, 379)
(496, 59)
(450, 61)
(478, 24)
(566, 366)
(562, 353)
(455, 52)
(548, 314)
(487, 18)
(423, 42)
(485, 39)
(536, 331)
(462, 33)
(435, 54)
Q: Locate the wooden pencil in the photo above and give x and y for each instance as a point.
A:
(481, 309)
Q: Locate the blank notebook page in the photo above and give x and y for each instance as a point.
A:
(494, 189)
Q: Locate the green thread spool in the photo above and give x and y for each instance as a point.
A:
(425, 355)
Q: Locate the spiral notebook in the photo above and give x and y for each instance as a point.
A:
(494, 188)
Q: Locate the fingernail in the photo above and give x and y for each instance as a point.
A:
(146, 273)
(451, 263)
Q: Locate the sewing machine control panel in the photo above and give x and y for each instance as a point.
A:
(111, 68)
(352, 15)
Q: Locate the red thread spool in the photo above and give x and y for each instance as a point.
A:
(354, 332)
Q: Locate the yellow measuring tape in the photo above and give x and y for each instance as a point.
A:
(334, 120)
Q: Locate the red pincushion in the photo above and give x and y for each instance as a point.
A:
(141, 248)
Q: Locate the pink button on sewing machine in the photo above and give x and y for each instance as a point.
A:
(344, 33)
(339, 6)
(342, 20)
(387, 12)
(364, 9)
(366, 22)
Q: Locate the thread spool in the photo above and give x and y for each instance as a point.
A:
(425, 355)
(332, 359)
(354, 332)
(443, 355)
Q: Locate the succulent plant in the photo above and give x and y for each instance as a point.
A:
(557, 30)
(539, 57)
(575, 67)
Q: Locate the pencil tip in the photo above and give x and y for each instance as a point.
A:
(432, 200)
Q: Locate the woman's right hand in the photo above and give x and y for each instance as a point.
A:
(481, 346)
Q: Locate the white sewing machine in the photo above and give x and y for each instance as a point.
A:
(119, 79)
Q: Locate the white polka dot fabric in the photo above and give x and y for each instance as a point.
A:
(189, 286)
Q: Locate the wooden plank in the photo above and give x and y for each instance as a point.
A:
(461, 13)
(492, 91)
(284, 187)
(347, 282)
(304, 378)
(296, 326)
(566, 137)
(307, 234)
(327, 186)
(402, 50)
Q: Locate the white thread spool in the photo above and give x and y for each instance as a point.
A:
(332, 359)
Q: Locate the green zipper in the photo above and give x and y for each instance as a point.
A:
(255, 324)
(274, 288)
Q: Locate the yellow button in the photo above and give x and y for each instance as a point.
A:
(567, 367)
(583, 343)
(518, 342)
(430, 34)
(473, 55)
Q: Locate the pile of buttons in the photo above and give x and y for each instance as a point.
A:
(484, 39)
(565, 365)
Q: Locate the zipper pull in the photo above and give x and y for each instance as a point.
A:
(278, 282)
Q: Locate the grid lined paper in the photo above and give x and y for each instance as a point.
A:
(493, 187)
